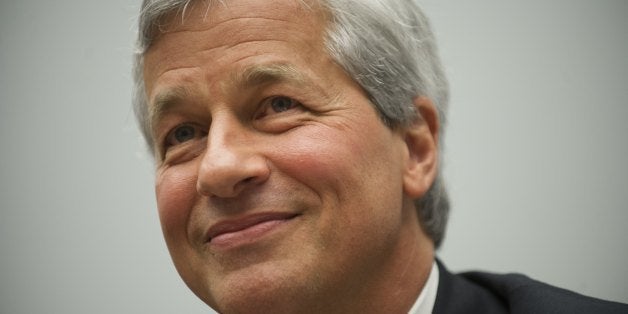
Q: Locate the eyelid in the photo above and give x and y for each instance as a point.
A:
(165, 141)
(266, 105)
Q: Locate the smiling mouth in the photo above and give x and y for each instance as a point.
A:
(235, 232)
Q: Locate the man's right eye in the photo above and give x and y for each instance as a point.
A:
(182, 134)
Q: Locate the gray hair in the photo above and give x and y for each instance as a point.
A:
(386, 46)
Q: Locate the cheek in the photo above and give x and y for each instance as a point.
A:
(333, 163)
(355, 177)
(175, 190)
(312, 157)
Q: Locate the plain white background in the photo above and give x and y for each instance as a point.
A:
(536, 153)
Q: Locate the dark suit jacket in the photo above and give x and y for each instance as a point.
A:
(486, 293)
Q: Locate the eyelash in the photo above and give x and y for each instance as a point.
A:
(267, 104)
(169, 139)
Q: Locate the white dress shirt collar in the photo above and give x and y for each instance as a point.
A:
(424, 304)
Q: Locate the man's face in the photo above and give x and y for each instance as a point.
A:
(277, 184)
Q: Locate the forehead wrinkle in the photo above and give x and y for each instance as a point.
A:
(195, 19)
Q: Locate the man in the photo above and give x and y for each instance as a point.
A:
(297, 153)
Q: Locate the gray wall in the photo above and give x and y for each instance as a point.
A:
(536, 153)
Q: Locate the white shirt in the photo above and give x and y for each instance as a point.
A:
(424, 304)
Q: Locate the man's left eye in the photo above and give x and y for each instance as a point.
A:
(281, 103)
(277, 104)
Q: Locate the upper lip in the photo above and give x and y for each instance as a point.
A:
(237, 224)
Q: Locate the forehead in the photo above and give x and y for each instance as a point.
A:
(212, 31)
(210, 49)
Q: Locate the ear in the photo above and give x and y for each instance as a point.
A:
(421, 139)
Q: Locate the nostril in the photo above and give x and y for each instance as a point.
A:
(231, 191)
(243, 183)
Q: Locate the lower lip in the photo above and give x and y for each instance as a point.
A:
(246, 236)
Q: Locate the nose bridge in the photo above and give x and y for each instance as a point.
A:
(231, 161)
(225, 133)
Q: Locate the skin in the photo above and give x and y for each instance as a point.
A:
(337, 184)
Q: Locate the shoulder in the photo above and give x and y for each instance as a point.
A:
(513, 293)
(527, 295)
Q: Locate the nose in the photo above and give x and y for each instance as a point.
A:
(231, 162)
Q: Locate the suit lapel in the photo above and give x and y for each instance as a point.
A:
(456, 294)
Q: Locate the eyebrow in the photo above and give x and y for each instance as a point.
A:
(251, 77)
(164, 101)
(263, 74)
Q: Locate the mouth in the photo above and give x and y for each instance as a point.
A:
(235, 232)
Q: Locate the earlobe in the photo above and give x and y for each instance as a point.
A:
(421, 140)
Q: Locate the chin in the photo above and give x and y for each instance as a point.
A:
(262, 288)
